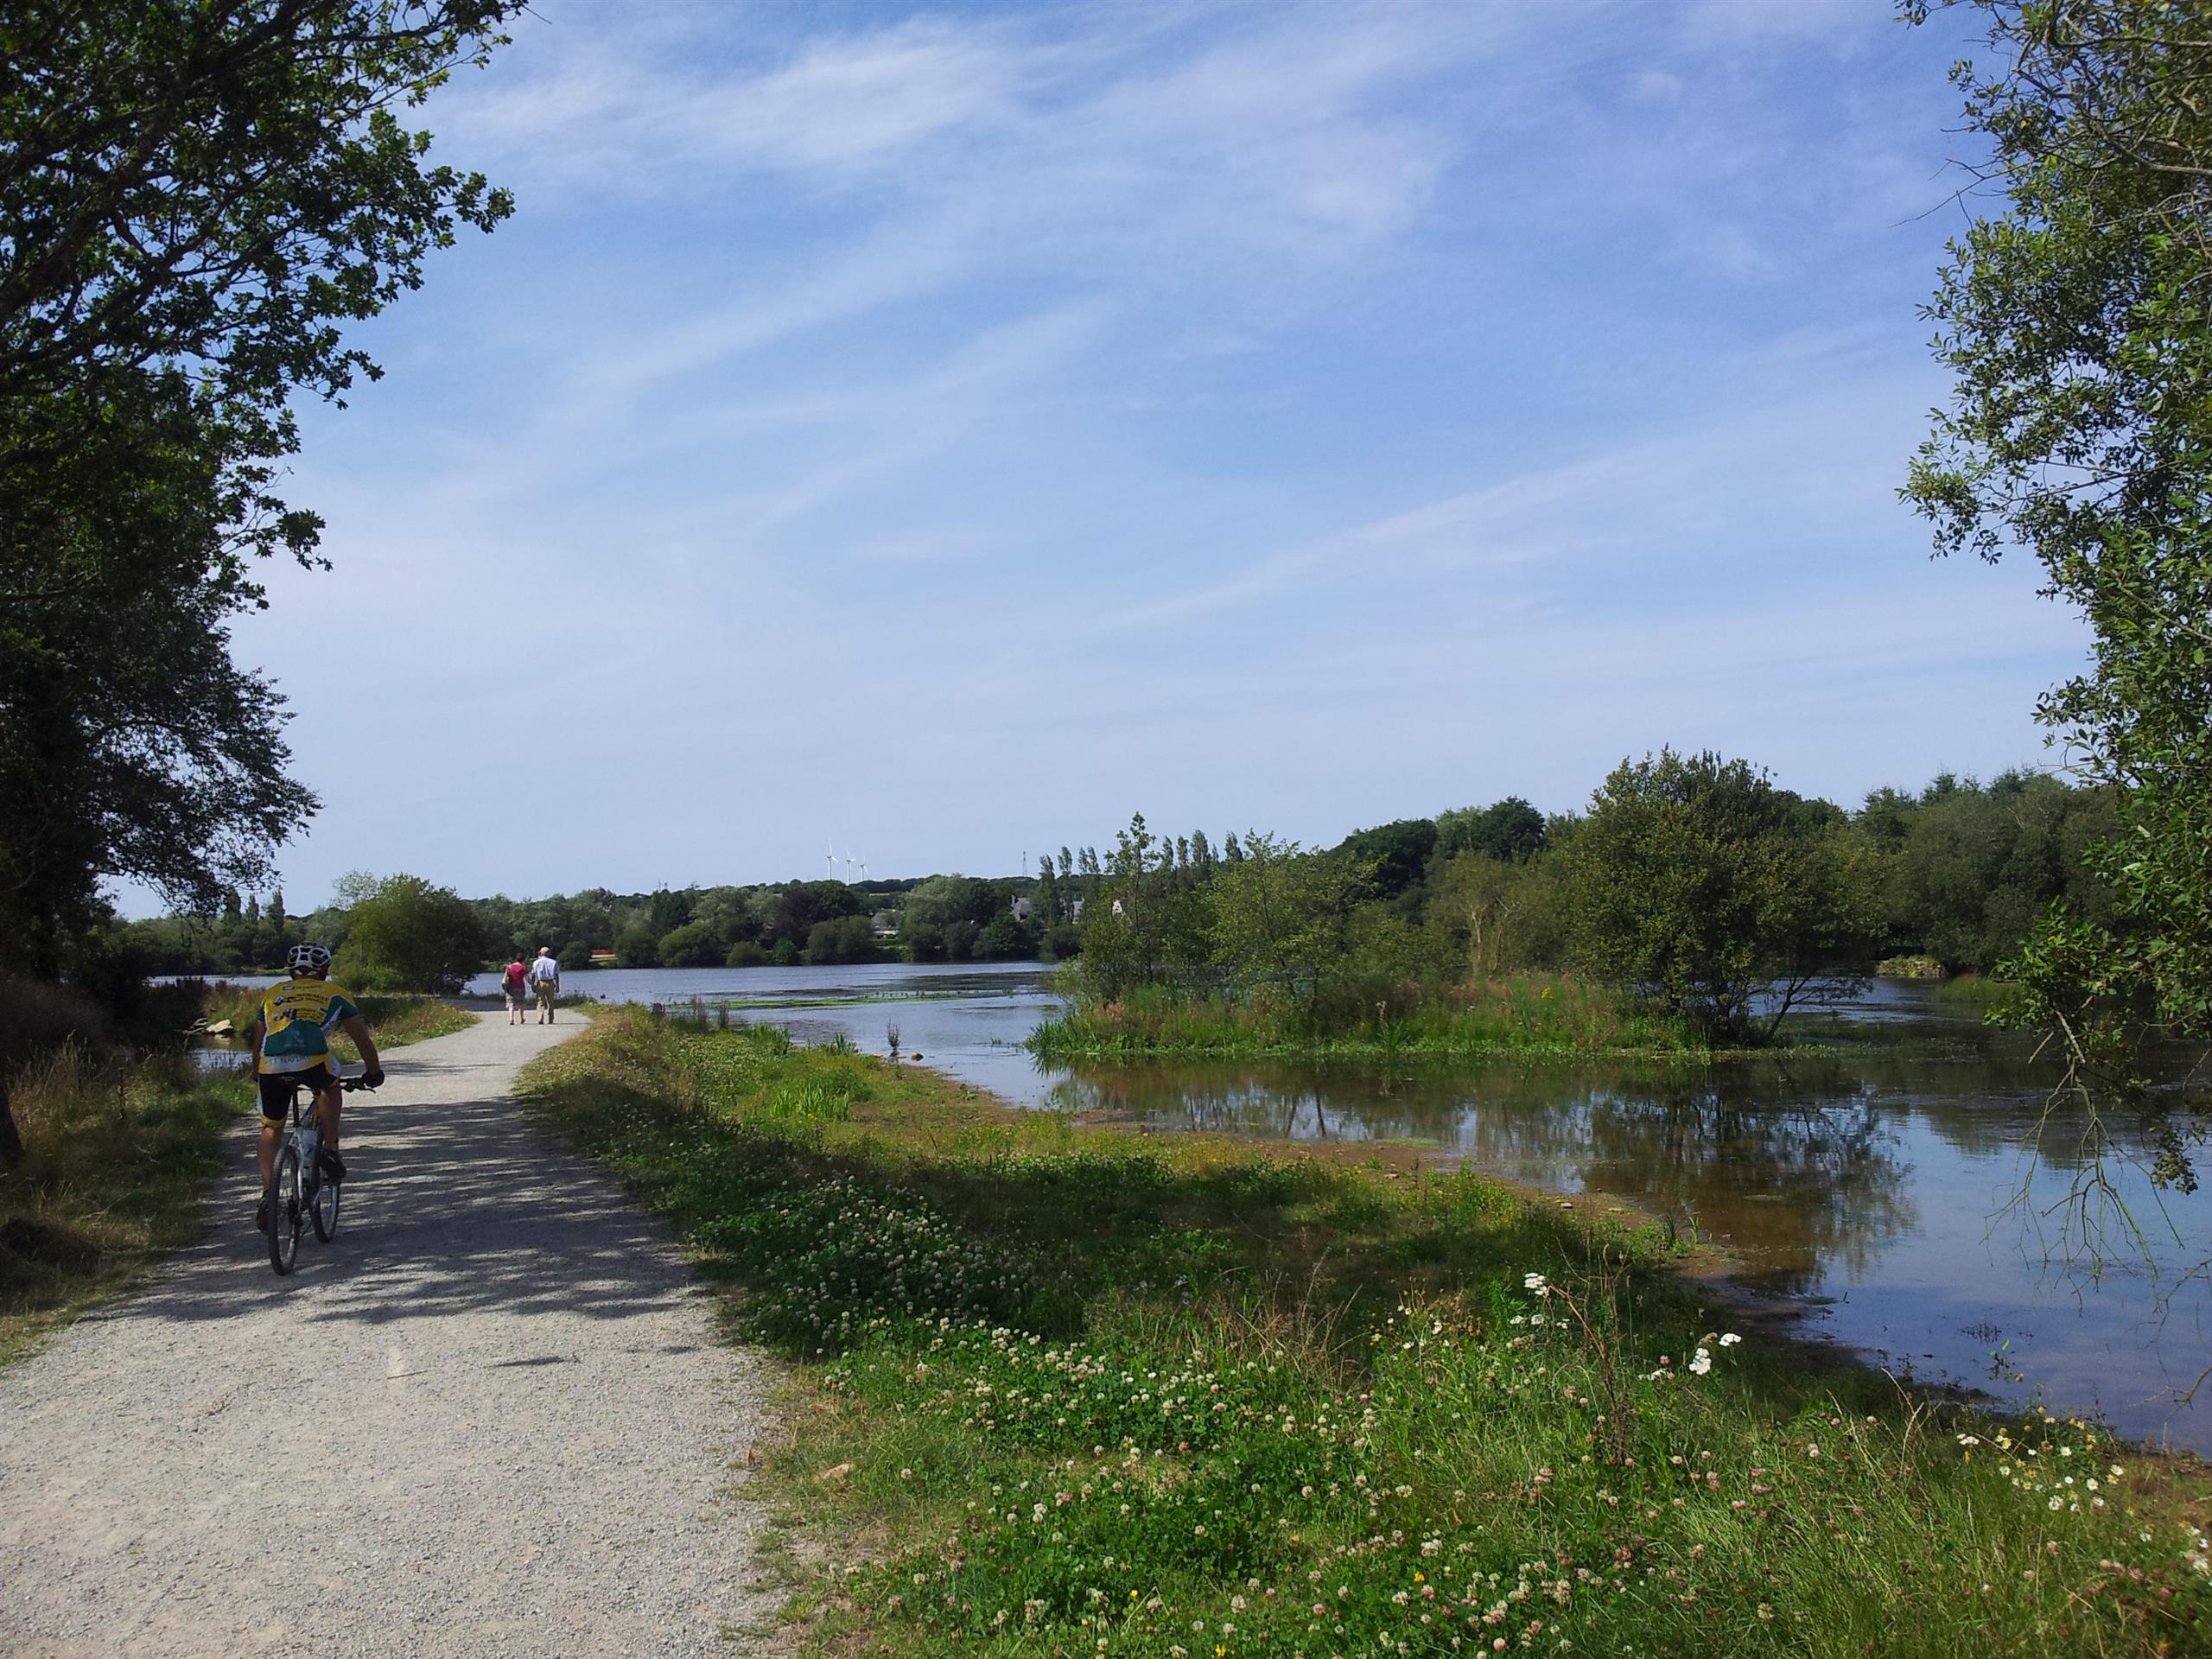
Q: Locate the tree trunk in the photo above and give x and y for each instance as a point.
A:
(11, 1142)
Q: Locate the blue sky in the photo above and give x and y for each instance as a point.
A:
(943, 432)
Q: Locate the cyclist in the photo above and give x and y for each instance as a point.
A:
(291, 1044)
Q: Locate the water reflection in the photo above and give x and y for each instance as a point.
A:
(1883, 1185)
(1789, 1170)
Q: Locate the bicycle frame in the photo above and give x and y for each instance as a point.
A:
(302, 1144)
(305, 1131)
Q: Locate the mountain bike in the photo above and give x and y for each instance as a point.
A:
(297, 1192)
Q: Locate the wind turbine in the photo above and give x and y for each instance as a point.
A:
(849, 862)
(830, 861)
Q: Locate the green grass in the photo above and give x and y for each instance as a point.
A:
(117, 1158)
(1077, 1391)
(1530, 1013)
(1975, 994)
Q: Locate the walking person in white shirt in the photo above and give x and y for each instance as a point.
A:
(545, 981)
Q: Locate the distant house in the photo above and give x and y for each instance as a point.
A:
(887, 924)
(1075, 911)
(1021, 910)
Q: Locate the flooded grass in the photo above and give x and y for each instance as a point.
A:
(1089, 1391)
(1973, 993)
(1530, 1013)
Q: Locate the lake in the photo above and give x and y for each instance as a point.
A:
(1878, 1189)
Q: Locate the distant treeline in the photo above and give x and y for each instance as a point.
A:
(1956, 872)
(933, 919)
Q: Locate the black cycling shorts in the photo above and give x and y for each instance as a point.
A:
(276, 1090)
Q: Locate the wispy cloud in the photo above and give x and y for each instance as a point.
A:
(1291, 414)
(1185, 156)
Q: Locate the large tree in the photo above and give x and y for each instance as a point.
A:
(403, 933)
(1696, 884)
(194, 200)
(2077, 322)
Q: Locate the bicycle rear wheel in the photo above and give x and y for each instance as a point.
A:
(284, 1208)
(323, 1208)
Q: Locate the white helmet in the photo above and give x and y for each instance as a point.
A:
(308, 957)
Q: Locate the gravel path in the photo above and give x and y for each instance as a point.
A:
(490, 1418)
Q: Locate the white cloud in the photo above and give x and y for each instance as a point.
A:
(1293, 414)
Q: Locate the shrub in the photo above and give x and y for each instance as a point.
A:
(404, 933)
(1004, 939)
(637, 946)
(848, 938)
(695, 945)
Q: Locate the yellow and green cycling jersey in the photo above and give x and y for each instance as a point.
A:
(300, 1014)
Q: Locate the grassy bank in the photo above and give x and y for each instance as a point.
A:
(1078, 1391)
(1973, 993)
(117, 1156)
(119, 1151)
(1521, 1013)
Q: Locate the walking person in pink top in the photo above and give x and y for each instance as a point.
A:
(514, 980)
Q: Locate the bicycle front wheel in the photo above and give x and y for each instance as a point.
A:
(323, 1208)
(285, 1219)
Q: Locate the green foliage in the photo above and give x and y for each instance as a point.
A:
(1695, 882)
(947, 916)
(846, 938)
(695, 945)
(1502, 915)
(192, 201)
(1145, 920)
(1392, 858)
(1971, 868)
(406, 934)
(637, 946)
(1277, 922)
(2078, 329)
(1510, 829)
(1004, 938)
(1275, 947)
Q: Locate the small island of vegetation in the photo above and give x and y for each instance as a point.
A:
(1692, 909)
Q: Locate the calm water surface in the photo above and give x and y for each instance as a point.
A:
(1879, 1189)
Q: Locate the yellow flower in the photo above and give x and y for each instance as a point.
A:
(1420, 1578)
